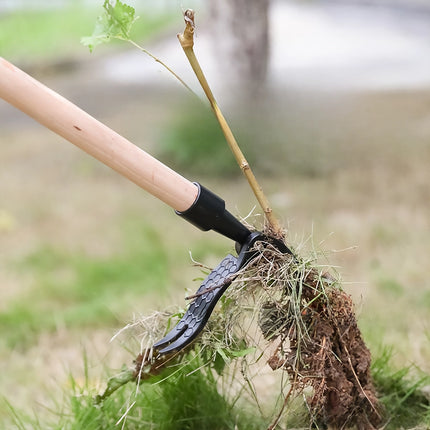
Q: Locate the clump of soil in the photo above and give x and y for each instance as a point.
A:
(311, 323)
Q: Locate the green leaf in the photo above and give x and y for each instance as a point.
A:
(223, 356)
(220, 361)
(242, 352)
(219, 364)
(115, 23)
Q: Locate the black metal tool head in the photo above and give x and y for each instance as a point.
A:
(209, 292)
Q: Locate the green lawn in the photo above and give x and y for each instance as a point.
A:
(76, 290)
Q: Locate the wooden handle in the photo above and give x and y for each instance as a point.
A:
(78, 127)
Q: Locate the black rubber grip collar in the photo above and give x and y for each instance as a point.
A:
(208, 213)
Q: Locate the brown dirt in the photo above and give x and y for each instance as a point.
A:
(325, 350)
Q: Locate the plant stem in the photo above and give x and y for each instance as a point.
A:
(160, 62)
(187, 42)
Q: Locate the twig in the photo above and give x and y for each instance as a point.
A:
(187, 42)
(156, 59)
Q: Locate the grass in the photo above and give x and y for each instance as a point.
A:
(400, 392)
(188, 399)
(54, 33)
(211, 396)
(75, 290)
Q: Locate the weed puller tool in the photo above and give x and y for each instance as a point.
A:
(190, 200)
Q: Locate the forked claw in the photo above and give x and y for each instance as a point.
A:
(200, 309)
(207, 296)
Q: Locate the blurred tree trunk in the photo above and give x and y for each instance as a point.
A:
(241, 37)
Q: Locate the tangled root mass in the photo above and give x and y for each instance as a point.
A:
(312, 324)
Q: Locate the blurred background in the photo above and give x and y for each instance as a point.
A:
(330, 101)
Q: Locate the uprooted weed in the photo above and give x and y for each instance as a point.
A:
(311, 326)
(306, 328)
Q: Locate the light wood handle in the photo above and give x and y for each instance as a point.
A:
(78, 127)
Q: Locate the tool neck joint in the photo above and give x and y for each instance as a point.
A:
(208, 212)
